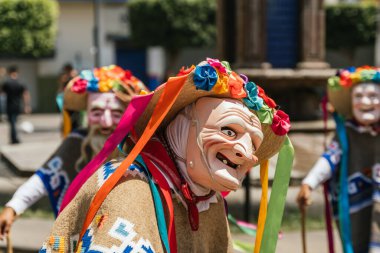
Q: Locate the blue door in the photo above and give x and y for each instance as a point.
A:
(282, 33)
(134, 60)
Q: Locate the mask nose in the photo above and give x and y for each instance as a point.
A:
(243, 148)
(106, 120)
(365, 100)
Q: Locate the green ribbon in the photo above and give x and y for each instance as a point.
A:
(245, 230)
(243, 246)
(277, 198)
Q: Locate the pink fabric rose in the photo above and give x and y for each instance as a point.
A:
(217, 64)
(281, 123)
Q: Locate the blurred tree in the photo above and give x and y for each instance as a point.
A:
(173, 24)
(27, 28)
(349, 26)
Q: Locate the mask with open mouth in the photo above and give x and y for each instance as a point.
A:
(366, 103)
(222, 140)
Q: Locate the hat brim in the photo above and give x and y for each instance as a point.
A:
(271, 143)
(74, 101)
(341, 100)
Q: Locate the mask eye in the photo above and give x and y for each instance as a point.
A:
(373, 95)
(117, 113)
(228, 131)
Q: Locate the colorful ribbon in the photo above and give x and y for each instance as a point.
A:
(328, 220)
(343, 199)
(66, 123)
(159, 208)
(277, 198)
(263, 204)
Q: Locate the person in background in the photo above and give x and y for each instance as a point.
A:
(68, 73)
(351, 163)
(15, 93)
(3, 73)
(105, 106)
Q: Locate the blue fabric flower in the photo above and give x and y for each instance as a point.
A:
(376, 77)
(253, 101)
(351, 69)
(92, 84)
(205, 77)
(87, 75)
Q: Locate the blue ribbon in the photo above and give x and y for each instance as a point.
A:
(343, 203)
(160, 214)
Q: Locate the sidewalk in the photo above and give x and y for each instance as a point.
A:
(27, 235)
(35, 147)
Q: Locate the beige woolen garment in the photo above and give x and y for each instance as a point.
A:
(127, 219)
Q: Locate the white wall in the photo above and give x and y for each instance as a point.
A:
(75, 36)
(74, 39)
(112, 23)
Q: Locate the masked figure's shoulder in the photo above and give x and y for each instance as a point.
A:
(135, 171)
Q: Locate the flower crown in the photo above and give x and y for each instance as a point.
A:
(351, 76)
(105, 79)
(218, 77)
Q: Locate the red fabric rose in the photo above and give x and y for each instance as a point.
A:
(270, 102)
(79, 86)
(127, 76)
(281, 123)
(345, 78)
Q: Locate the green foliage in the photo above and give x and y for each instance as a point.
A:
(349, 26)
(27, 28)
(173, 24)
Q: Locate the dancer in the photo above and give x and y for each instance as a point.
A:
(352, 160)
(213, 126)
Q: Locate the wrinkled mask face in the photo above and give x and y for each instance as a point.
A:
(223, 138)
(104, 112)
(366, 103)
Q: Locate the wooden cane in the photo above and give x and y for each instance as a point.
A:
(303, 229)
(9, 243)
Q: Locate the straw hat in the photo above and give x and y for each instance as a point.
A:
(339, 87)
(104, 79)
(213, 78)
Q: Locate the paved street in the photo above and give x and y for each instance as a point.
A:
(23, 159)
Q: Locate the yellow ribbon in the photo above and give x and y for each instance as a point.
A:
(263, 204)
(66, 123)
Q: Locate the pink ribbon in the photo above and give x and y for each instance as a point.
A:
(134, 110)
